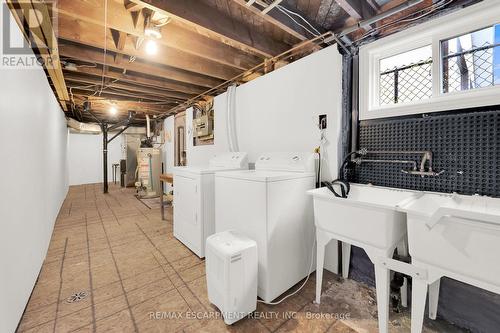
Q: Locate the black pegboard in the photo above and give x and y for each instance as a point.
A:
(465, 145)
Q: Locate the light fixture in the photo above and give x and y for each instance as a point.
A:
(151, 47)
(152, 31)
(113, 110)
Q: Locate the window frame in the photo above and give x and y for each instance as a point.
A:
(464, 21)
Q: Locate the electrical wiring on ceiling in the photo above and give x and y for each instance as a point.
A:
(405, 19)
(312, 30)
(287, 11)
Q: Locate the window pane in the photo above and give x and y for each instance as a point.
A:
(472, 60)
(406, 77)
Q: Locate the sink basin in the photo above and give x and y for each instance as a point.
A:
(456, 236)
(366, 218)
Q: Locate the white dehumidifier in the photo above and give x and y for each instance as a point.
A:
(231, 265)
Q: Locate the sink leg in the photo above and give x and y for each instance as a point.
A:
(346, 259)
(434, 298)
(403, 250)
(321, 242)
(404, 293)
(418, 297)
(382, 281)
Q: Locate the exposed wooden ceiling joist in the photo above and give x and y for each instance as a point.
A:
(174, 35)
(43, 36)
(278, 19)
(96, 56)
(271, 6)
(147, 91)
(357, 9)
(123, 104)
(208, 19)
(115, 94)
(136, 78)
(86, 33)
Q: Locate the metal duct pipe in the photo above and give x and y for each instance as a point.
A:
(379, 17)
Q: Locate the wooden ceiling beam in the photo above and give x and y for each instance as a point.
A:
(110, 94)
(96, 56)
(119, 38)
(207, 18)
(357, 9)
(148, 91)
(45, 41)
(100, 106)
(271, 6)
(173, 88)
(278, 19)
(121, 103)
(86, 33)
(133, 7)
(174, 34)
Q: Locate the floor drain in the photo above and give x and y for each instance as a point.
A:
(77, 297)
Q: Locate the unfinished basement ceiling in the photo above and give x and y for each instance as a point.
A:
(102, 47)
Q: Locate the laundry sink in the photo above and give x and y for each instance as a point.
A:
(367, 216)
(456, 232)
(456, 236)
(368, 219)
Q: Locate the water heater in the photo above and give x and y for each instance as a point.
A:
(148, 172)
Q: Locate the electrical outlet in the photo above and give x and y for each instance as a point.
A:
(322, 121)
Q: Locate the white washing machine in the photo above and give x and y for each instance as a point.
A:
(194, 199)
(270, 205)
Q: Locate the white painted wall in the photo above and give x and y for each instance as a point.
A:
(85, 158)
(34, 170)
(279, 112)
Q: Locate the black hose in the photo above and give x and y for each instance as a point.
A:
(342, 181)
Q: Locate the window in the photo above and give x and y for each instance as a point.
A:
(406, 77)
(472, 60)
(447, 63)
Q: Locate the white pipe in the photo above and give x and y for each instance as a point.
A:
(148, 127)
(228, 109)
(83, 127)
(230, 120)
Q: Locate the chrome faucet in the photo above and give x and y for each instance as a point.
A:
(426, 159)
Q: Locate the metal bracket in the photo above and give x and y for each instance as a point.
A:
(402, 267)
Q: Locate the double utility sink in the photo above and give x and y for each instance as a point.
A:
(449, 235)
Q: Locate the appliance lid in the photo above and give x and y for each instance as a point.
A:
(263, 175)
(235, 160)
(200, 170)
(286, 161)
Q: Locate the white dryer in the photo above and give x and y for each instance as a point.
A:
(194, 199)
(270, 205)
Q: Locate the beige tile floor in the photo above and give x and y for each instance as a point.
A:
(137, 274)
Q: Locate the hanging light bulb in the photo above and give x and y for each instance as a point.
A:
(113, 110)
(151, 47)
(152, 31)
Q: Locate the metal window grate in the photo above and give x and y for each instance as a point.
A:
(406, 83)
(469, 69)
